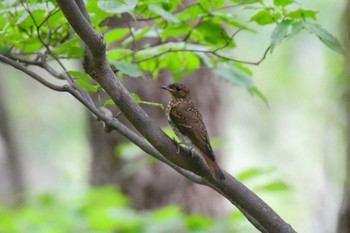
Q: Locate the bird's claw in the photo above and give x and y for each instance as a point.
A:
(177, 144)
(192, 152)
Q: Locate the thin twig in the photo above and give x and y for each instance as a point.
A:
(111, 122)
(47, 46)
(228, 41)
(214, 52)
(37, 77)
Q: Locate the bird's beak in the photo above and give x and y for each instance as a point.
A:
(166, 88)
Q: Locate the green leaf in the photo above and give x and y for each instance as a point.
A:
(239, 75)
(282, 3)
(140, 101)
(234, 75)
(211, 33)
(44, 7)
(175, 31)
(137, 35)
(296, 28)
(255, 91)
(163, 13)
(127, 151)
(274, 186)
(115, 35)
(79, 74)
(252, 173)
(302, 14)
(279, 33)
(328, 39)
(118, 53)
(87, 85)
(265, 17)
(84, 81)
(168, 131)
(108, 102)
(167, 212)
(127, 68)
(189, 63)
(211, 5)
(117, 6)
(246, 1)
(198, 222)
(69, 48)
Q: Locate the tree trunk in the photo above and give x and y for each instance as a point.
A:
(344, 214)
(12, 173)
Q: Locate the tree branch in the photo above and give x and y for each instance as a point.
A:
(213, 52)
(108, 119)
(258, 212)
(37, 77)
(114, 123)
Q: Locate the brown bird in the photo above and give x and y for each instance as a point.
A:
(187, 123)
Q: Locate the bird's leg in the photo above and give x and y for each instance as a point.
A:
(192, 152)
(177, 144)
(188, 146)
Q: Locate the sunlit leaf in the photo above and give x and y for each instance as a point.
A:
(118, 53)
(328, 39)
(127, 68)
(279, 33)
(296, 28)
(79, 74)
(140, 101)
(126, 220)
(265, 17)
(302, 14)
(255, 91)
(70, 48)
(211, 5)
(167, 212)
(282, 2)
(115, 34)
(212, 33)
(273, 186)
(117, 6)
(87, 85)
(168, 131)
(164, 14)
(127, 150)
(198, 222)
(108, 102)
(252, 173)
(234, 75)
(45, 7)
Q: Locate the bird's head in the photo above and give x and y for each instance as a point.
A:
(177, 90)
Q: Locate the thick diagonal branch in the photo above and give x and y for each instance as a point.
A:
(258, 212)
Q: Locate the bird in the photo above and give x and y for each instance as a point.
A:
(187, 123)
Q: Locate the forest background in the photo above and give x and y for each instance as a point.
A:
(285, 140)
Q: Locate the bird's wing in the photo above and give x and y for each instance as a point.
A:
(190, 123)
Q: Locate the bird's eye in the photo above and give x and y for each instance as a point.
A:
(178, 89)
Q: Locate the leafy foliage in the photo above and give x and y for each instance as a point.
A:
(106, 210)
(262, 180)
(170, 35)
(176, 37)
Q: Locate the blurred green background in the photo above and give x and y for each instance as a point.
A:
(298, 139)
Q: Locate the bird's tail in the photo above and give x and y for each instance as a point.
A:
(214, 168)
